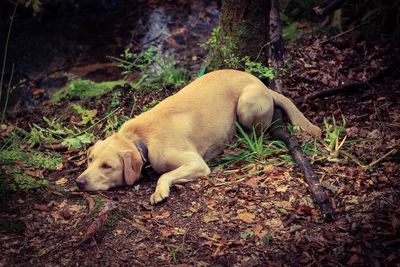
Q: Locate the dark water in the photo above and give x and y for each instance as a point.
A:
(73, 40)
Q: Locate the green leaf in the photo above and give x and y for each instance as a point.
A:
(202, 71)
(266, 239)
(246, 235)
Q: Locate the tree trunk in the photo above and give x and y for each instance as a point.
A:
(243, 31)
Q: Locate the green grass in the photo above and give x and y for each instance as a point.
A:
(253, 148)
(98, 205)
(81, 89)
(332, 141)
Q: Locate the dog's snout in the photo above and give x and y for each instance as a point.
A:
(81, 183)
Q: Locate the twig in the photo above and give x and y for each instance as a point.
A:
(3, 69)
(381, 158)
(7, 96)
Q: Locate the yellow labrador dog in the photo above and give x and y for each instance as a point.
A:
(184, 131)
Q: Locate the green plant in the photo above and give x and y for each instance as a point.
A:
(31, 158)
(86, 115)
(246, 234)
(291, 32)
(158, 71)
(332, 141)
(130, 62)
(72, 138)
(114, 123)
(76, 142)
(150, 105)
(25, 182)
(252, 148)
(17, 166)
(98, 205)
(80, 89)
(226, 48)
(115, 103)
(257, 68)
(173, 251)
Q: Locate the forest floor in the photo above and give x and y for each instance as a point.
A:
(246, 214)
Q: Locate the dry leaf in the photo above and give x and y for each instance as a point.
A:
(90, 202)
(61, 181)
(252, 182)
(163, 215)
(268, 169)
(40, 207)
(166, 232)
(282, 188)
(246, 217)
(210, 218)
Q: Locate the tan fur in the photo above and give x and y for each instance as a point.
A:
(187, 129)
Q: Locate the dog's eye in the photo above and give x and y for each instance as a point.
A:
(90, 159)
(105, 166)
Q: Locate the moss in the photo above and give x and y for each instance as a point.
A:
(81, 89)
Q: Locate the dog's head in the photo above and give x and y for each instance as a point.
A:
(112, 162)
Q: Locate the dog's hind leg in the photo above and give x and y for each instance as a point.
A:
(255, 107)
(193, 167)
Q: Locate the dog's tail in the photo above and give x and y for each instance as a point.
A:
(295, 115)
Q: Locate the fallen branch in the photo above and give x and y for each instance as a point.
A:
(318, 192)
(277, 129)
(351, 87)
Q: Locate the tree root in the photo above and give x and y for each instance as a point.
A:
(277, 129)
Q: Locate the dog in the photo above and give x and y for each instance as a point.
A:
(185, 130)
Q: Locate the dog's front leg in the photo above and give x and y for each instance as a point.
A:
(185, 173)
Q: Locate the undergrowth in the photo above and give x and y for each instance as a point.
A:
(157, 71)
(255, 148)
(224, 45)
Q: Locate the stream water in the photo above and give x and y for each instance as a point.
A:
(74, 41)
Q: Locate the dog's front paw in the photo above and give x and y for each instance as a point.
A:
(161, 193)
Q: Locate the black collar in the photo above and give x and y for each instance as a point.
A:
(144, 152)
(147, 169)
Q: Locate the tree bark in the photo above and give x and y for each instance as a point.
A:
(244, 31)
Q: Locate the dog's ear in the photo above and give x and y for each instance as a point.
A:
(132, 167)
(89, 151)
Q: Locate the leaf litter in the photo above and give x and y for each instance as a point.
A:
(268, 218)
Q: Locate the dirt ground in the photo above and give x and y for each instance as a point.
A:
(228, 218)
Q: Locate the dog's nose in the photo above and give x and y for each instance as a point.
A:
(81, 183)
